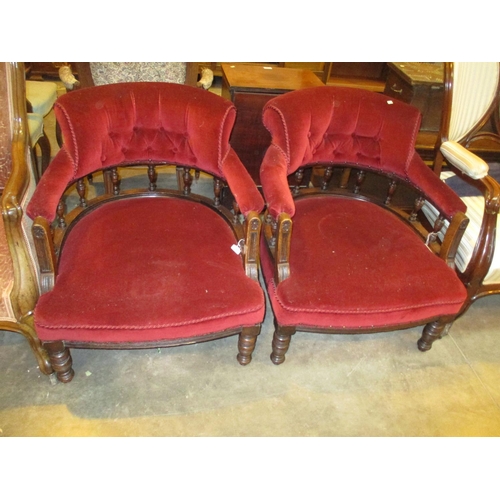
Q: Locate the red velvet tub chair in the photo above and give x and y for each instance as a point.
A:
(342, 260)
(145, 267)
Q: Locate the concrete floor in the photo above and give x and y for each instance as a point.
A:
(330, 385)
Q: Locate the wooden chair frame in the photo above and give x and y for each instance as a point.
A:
(25, 292)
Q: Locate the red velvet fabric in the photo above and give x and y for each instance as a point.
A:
(356, 265)
(335, 125)
(153, 278)
(142, 122)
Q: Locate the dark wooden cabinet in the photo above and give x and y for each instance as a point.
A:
(419, 84)
(249, 87)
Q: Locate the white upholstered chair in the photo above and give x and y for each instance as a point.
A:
(471, 99)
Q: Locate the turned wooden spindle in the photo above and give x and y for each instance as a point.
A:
(236, 210)
(61, 209)
(274, 228)
(115, 180)
(438, 224)
(417, 206)
(299, 176)
(188, 180)
(360, 178)
(269, 231)
(393, 184)
(217, 191)
(80, 187)
(327, 177)
(153, 177)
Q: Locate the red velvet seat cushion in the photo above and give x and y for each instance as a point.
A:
(356, 265)
(148, 269)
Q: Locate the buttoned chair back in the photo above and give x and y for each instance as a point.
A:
(104, 73)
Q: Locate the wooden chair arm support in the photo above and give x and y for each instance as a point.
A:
(282, 255)
(453, 237)
(24, 293)
(277, 233)
(252, 241)
(47, 260)
(482, 255)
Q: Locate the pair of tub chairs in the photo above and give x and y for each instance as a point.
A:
(150, 267)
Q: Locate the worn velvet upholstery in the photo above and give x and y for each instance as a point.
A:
(124, 123)
(353, 265)
(156, 277)
(356, 266)
(151, 268)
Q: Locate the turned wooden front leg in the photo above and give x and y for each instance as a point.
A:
(246, 344)
(60, 359)
(432, 332)
(281, 342)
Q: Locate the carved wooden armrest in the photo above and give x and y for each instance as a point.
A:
(252, 239)
(452, 239)
(491, 195)
(278, 234)
(47, 260)
(484, 249)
